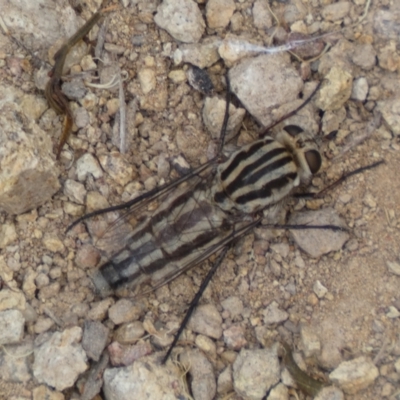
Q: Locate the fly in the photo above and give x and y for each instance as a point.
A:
(167, 231)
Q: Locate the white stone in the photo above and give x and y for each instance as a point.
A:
(11, 326)
(319, 289)
(360, 89)
(144, 379)
(274, 315)
(147, 80)
(12, 299)
(263, 83)
(75, 191)
(394, 267)
(7, 235)
(87, 164)
(310, 341)
(182, 19)
(60, 360)
(214, 114)
(355, 375)
(255, 372)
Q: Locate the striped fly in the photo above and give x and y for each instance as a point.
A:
(165, 232)
(159, 235)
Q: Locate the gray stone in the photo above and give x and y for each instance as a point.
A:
(255, 372)
(11, 326)
(390, 110)
(74, 89)
(225, 382)
(213, 117)
(87, 164)
(94, 340)
(234, 337)
(386, 22)
(125, 310)
(364, 56)
(330, 393)
(394, 267)
(182, 19)
(310, 342)
(60, 360)
(207, 321)
(14, 362)
(94, 380)
(274, 315)
(279, 392)
(118, 168)
(317, 242)
(393, 312)
(28, 18)
(125, 354)
(265, 82)
(261, 16)
(234, 305)
(280, 248)
(203, 383)
(144, 379)
(202, 55)
(28, 173)
(355, 375)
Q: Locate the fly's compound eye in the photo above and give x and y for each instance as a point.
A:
(293, 130)
(314, 160)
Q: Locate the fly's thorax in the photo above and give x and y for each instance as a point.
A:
(263, 173)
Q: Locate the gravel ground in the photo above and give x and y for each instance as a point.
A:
(334, 300)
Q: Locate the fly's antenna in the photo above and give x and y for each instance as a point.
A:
(226, 116)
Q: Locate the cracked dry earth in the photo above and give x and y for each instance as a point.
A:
(330, 307)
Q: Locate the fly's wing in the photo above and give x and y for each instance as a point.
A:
(201, 254)
(111, 228)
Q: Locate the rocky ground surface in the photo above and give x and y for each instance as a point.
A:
(334, 298)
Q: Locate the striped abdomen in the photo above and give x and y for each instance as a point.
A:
(255, 177)
(177, 235)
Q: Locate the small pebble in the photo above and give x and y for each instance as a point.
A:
(274, 315)
(355, 375)
(255, 372)
(207, 321)
(11, 326)
(319, 289)
(125, 310)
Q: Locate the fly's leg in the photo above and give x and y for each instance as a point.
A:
(195, 301)
(339, 181)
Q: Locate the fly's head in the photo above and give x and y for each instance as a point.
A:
(304, 150)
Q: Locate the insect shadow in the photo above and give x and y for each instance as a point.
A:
(166, 231)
